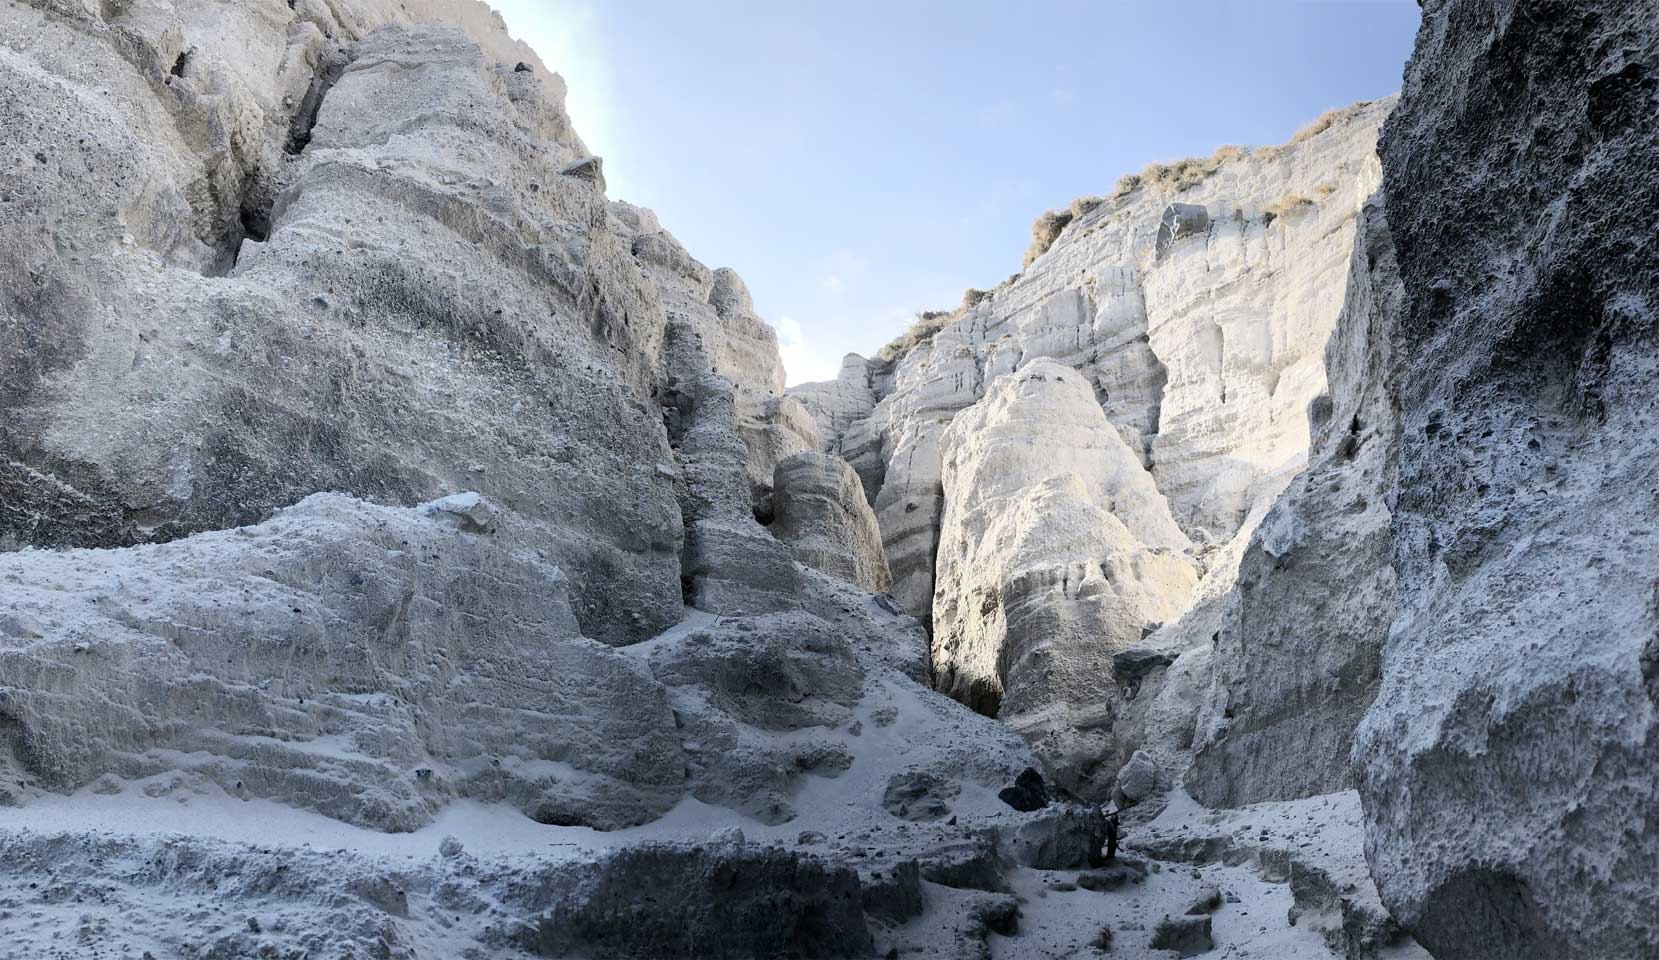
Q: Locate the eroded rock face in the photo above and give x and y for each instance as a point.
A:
(1507, 765)
(1297, 644)
(819, 509)
(332, 659)
(374, 278)
(673, 900)
(1061, 553)
(1204, 351)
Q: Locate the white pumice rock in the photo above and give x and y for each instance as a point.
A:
(820, 511)
(1204, 355)
(1060, 552)
(407, 549)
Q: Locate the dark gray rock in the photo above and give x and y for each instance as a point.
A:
(892, 890)
(1180, 220)
(1207, 900)
(1113, 876)
(1507, 763)
(1062, 836)
(1187, 936)
(919, 795)
(1027, 793)
(664, 900)
(970, 864)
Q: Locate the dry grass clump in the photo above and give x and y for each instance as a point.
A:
(1327, 120)
(1102, 941)
(1044, 231)
(922, 329)
(1286, 204)
(930, 322)
(1128, 183)
(1182, 174)
(1083, 205)
(1325, 189)
(1269, 154)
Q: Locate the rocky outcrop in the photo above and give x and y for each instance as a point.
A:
(1204, 349)
(670, 900)
(819, 510)
(372, 209)
(408, 300)
(369, 663)
(773, 430)
(1297, 645)
(1061, 553)
(1196, 311)
(357, 248)
(840, 404)
(1506, 766)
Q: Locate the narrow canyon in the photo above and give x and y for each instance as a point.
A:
(408, 550)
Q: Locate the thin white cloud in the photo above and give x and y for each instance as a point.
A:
(842, 270)
(801, 360)
(996, 115)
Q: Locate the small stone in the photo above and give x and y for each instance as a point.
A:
(1187, 936)
(728, 835)
(450, 847)
(1208, 899)
(1120, 872)
(1028, 792)
(474, 513)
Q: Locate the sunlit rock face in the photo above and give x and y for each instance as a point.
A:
(1296, 645)
(1507, 765)
(1195, 313)
(1060, 552)
(363, 465)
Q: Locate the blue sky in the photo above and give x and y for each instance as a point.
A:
(859, 161)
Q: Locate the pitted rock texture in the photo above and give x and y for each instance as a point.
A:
(1507, 765)
(819, 510)
(1061, 553)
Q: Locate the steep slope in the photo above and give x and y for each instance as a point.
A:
(1197, 309)
(1507, 766)
(1295, 647)
(1060, 550)
(1197, 306)
(377, 263)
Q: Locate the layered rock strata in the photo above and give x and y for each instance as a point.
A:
(1203, 347)
(1196, 316)
(1060, 553)
(819, 509)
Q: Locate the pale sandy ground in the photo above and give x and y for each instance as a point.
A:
(81, 882)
